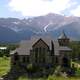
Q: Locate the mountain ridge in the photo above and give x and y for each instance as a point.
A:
(49, 24)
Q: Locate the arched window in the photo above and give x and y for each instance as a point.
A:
(65, 62)
(36, 55)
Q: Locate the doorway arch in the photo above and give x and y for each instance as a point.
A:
(65, 62)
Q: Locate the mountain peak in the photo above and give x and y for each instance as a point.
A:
(53, 14)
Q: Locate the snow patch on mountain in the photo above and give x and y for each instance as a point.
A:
(16, 23)
(16, 29)
(45, 28)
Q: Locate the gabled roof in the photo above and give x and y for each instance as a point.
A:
(46, 39)
(42, 41)
(24, 48)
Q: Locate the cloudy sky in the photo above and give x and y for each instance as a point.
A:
(29, 8)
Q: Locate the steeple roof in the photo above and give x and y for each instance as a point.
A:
(63, 36)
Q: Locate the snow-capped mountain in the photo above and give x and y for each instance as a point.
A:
(49, 24)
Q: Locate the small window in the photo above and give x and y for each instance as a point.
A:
(27, 58)
(40, 49)
(44, 50)
(36, 55)
(56, 59)
(43, 60)
(24, 60)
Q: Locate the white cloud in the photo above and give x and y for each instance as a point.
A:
(39, 7)
(76, 12)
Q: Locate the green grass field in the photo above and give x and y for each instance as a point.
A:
(5, 66)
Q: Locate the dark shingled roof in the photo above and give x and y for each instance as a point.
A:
(26, 45)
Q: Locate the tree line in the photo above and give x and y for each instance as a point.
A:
(75, 46)
(10, 47)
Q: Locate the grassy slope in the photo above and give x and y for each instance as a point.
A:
(4, 65)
